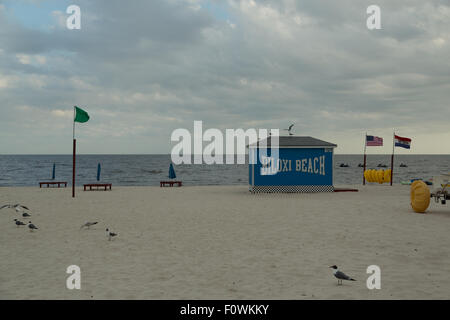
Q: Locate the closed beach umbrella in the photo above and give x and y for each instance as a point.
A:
(172, 174)
(54, 171)
(99, 168)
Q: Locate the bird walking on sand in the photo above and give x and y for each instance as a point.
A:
(340, 275)
(32, 226)
(88, 224)
(110, 234)
(18, 207)
(26, 214)
(19, 223)
(289, 129)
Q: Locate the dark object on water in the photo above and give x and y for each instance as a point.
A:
(344, 165)
(54, 171)
(402, 165)
(360, 165)
(380, 165)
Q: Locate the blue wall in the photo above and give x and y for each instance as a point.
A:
(296, 167)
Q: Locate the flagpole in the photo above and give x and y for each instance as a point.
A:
(73, 157)
(392, 157)
(364, 167)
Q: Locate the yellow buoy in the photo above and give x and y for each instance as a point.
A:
(366, 175)
(420, 196)
(373, 175)
(387, 175)
(380, 176)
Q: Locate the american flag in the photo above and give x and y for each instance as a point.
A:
(374, 141)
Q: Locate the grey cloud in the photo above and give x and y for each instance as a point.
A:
(155, 66)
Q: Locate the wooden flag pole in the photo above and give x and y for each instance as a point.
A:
(73, 158)
(364, 167)
(392, 157)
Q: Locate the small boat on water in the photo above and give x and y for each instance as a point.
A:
(402, 165)
(380, 165)
(344, 165)
(360, 165)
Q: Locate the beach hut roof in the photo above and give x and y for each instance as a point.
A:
(297, 142)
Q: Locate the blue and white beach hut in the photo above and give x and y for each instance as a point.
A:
(303, 164)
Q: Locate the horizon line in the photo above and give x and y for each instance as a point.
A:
(224, 154)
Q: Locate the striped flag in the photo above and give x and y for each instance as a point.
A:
(402, 142)
(374, 141)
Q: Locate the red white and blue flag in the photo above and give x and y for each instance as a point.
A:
(402, 142)
(374, 141)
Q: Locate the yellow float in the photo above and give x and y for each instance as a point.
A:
(420, 196)
(380, 176)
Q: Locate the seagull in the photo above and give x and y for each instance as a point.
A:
(340, 275)
(17, 207)
(20, 207)
(19, 223)
(32, 226)
(25, 214)
(88, 224)
(289, 129)
(110, 234)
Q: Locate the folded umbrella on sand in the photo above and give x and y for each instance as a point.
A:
(172, 174)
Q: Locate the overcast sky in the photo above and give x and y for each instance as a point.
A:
(142, 69)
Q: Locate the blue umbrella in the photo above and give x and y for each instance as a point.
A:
(54, 172)
(99, 168)
(172, 174)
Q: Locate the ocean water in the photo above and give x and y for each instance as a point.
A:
(148, 170)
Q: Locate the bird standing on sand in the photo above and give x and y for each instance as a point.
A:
(110, 234)
(88, 224)
(19, 223)
(26, 214)
(340, 275)
(32, 226)
(17, 207)
(289, 129)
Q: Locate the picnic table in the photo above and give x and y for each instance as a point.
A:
(170, 183)
(49, 183)
(97, 186)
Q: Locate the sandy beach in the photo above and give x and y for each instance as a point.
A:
(222, 242)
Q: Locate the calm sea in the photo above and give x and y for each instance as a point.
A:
(148, 170)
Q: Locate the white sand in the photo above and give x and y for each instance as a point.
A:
(223, 243)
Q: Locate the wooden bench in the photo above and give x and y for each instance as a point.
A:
(97, 186)
(170, 183)
(48, 183)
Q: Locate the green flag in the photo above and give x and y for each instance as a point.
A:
(81, 115)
